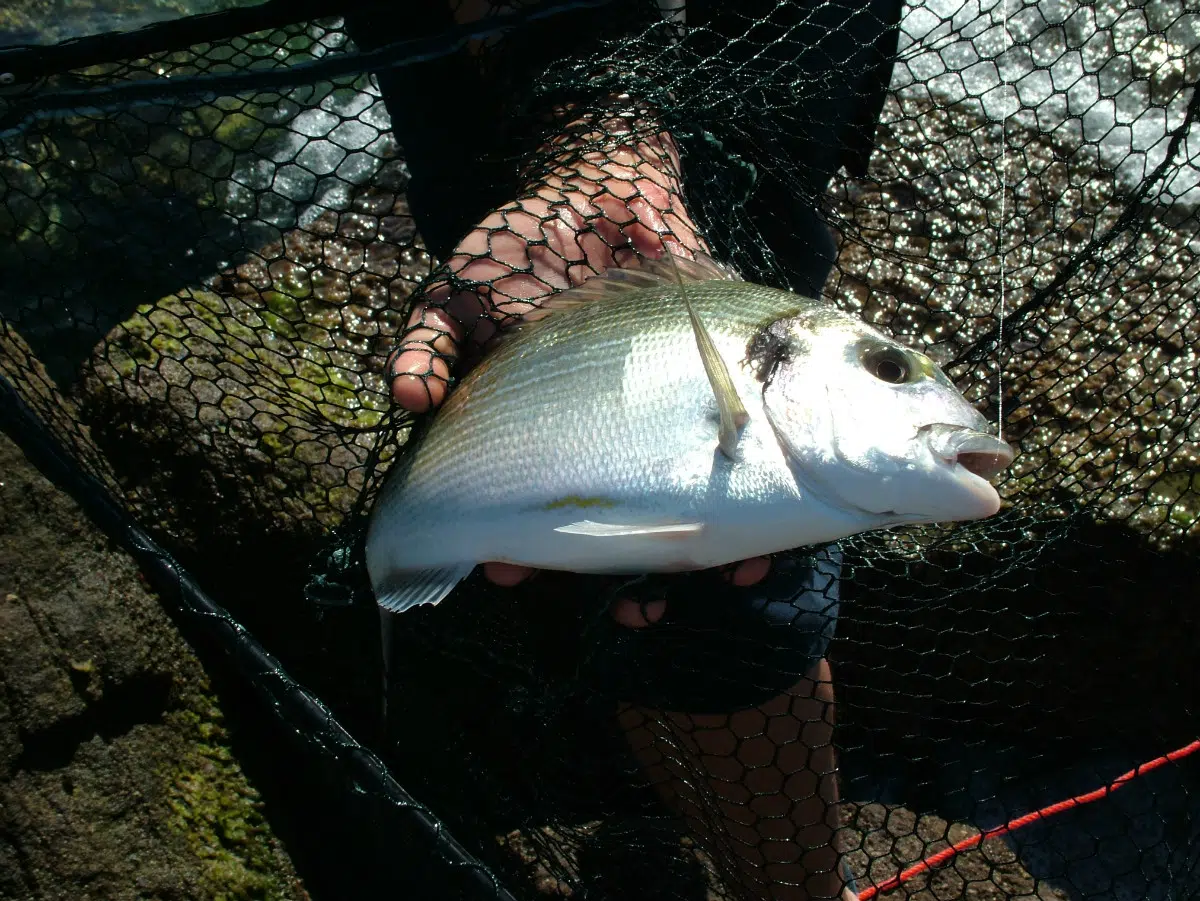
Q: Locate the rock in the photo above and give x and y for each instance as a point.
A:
(1096, 376)
(250, 408)
(116, 777)
(881, 841)
(39, 22)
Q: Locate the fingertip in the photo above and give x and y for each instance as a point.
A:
(750, 572)
(654, 610)
(506, 575)
(414, 394)
(637, 615)
(420, 380)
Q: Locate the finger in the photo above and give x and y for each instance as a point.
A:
(748, 572)
(597, 250)
(612, 224)
(506, 575)
(649, 235)
(420, 378)
(636, 614)
(420, 366)
(593, 255)
(630, 226)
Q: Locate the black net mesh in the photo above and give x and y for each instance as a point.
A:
(209, 250)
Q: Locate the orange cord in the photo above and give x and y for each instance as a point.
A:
(1012, 825)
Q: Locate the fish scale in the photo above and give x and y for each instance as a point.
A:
(600, 398)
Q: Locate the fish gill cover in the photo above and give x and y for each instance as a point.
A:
(212, 231)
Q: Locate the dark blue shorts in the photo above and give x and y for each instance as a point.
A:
(718, 648)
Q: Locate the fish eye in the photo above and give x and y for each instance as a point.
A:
(889, 364)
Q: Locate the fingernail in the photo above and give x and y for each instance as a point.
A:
(415, 393)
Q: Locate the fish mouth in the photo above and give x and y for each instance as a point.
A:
(977, 452)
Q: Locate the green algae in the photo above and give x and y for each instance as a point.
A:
(218, 814)
(1180, 491)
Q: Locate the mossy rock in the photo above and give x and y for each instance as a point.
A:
(117, 777)
(253, 405)
(216, 812)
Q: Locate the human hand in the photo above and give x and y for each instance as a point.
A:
(630, 613)
(611, 193)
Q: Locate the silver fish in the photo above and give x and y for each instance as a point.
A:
(674, 417)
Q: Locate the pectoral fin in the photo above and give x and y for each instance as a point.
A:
(729, 405)
(612, 530)
(403, 589)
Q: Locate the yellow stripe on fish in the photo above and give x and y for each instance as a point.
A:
(575, 501)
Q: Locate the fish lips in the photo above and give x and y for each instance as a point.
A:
(977, 452)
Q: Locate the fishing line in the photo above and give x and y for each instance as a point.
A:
(1003, 221)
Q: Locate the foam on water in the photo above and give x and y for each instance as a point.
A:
(334, 138)
(1107, 75)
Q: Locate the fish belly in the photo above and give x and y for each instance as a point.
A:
(660, 549)
(704, 512)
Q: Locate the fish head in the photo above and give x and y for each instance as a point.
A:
(873, 426)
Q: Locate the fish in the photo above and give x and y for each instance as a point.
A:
(676, 417)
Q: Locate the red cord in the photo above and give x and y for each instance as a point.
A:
(1012, 825)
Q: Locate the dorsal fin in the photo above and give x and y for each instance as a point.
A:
(616, 282)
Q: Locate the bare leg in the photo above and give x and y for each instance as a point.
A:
(757, 787)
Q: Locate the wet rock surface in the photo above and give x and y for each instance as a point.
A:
(251, 407)
(881, 841)
(116, 776)
(42, 22)
(1096, 376)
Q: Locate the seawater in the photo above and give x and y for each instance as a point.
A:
(1112, 74)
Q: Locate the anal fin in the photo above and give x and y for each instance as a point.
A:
(404, 589)
(614, 530)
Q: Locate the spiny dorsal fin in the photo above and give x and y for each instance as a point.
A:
(616, 282)
(729, 405)
(670, 270)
